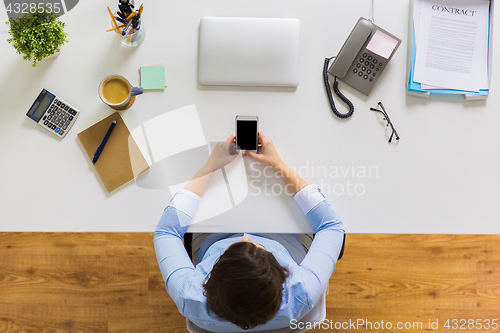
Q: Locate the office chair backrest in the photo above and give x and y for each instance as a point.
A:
(188, 238)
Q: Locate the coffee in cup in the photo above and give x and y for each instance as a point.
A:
(116, 91)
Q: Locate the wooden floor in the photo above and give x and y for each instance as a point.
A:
(110, 282)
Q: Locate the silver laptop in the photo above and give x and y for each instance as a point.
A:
(242, 51)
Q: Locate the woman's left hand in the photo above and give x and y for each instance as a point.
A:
(224, 153)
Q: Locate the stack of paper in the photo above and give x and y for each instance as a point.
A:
(450, 46)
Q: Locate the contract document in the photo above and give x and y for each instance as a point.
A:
(452, 44)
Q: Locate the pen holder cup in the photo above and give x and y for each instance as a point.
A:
(135, 36)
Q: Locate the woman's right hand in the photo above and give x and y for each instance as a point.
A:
(268, 156)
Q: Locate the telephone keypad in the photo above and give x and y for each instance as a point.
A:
(367, 64)
(365, 71)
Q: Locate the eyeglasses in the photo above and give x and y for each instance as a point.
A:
(386, 118)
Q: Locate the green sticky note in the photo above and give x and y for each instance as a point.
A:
(153, 77)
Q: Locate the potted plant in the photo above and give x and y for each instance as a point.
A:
(37, 35)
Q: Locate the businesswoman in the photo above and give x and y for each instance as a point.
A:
(247, 282)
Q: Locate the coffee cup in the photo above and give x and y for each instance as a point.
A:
(117, 92)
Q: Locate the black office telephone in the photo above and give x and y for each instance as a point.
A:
(361, 61)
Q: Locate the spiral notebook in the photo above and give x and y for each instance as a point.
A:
(121, 159)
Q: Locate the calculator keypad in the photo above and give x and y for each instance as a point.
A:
(59, 118)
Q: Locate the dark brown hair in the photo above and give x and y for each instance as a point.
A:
(245, 285)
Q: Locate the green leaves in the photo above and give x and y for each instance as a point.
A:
(37, 35)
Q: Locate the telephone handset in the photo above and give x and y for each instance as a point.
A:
(361, 60)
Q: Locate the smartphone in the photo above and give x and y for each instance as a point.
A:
(247, 128)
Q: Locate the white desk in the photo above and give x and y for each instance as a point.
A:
(442, 177)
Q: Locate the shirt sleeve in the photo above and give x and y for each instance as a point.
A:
(174, 262)
(319, 263)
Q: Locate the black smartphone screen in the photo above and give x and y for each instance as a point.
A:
(246, 134)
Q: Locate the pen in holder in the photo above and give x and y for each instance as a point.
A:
(131, 36)
(127, 23)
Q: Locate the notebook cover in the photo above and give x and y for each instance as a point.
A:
(121, 160)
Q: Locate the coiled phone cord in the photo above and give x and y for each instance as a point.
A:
(337, 92)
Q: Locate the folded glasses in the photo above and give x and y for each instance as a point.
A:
(387, 119)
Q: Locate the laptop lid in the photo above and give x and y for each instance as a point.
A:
(249, 51)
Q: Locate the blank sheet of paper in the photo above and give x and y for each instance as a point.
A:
(174, 132)
(138, 136)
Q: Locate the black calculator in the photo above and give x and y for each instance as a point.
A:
(52, 113)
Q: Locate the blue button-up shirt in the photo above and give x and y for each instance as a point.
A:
(306, 283)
